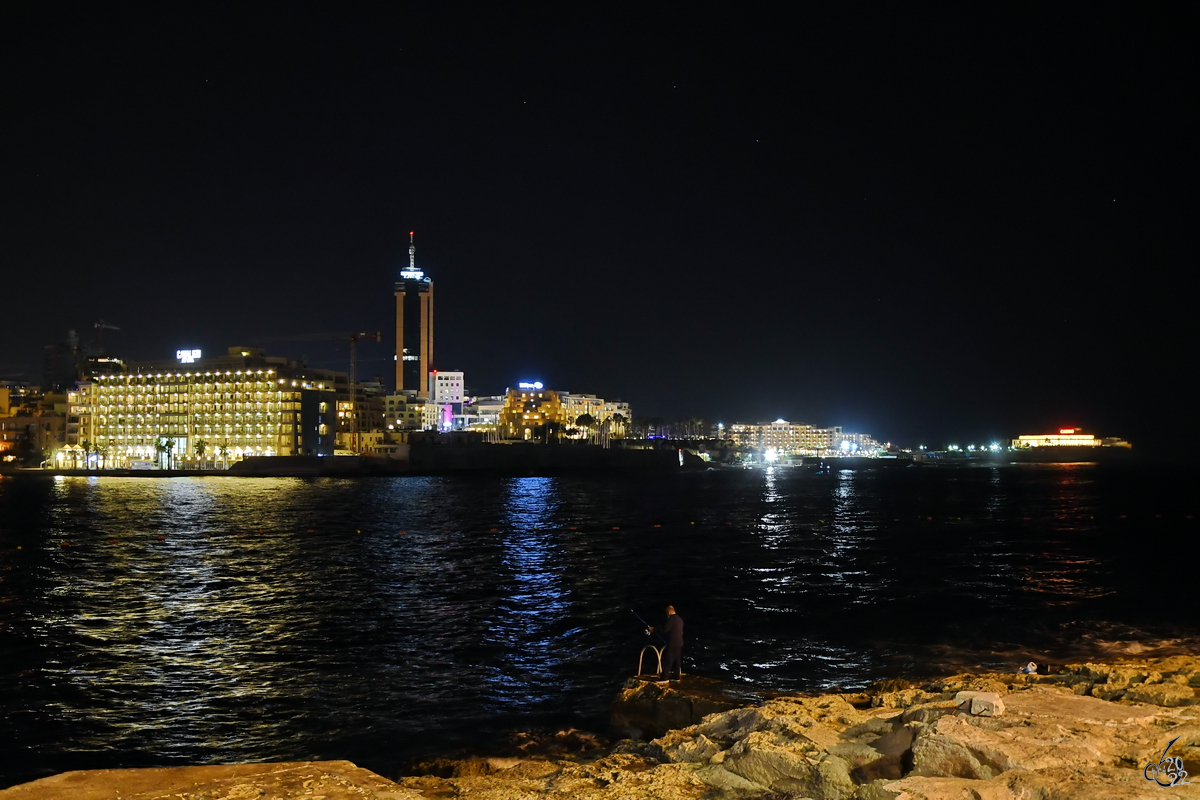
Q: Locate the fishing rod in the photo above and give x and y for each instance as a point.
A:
(647, 624)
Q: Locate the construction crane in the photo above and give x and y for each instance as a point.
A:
(338, 337)
(101, 326)
(354, 337)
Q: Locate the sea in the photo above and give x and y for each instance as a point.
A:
(174, 621)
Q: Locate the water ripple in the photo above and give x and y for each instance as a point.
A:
(168, 621)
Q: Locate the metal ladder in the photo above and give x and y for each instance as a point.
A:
(658, 651)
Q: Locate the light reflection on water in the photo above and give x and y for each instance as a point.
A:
(162, 621)
(521, 629)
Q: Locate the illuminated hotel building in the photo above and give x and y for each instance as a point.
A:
(795, 438)
(531, 405)
(1066, 437)
(414, 327)
(611, 416)
(228, 407)
(528, 407)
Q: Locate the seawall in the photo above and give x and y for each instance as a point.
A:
(426, 459)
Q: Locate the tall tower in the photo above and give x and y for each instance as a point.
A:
(414, 326)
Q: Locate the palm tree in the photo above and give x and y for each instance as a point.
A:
(200, 448)
(618, 422)
(160, 447)
(586, 421)
(164, 447)
(223, 450)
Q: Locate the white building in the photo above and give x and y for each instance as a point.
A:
(446, 392)
(446, 387)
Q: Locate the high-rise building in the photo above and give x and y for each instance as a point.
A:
(414, 327)
(797, 438)
(205, 409)
(446, 391)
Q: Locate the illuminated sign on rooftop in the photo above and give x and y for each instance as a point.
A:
(412, 274)
(527, 385)
(187, 356)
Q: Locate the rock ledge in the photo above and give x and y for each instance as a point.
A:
(1089, 732)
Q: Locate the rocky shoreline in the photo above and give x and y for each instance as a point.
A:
(1087, 731)
(1119, 731)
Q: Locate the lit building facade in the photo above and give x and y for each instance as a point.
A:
(481, 413)
(612, 417)
(796, 438)
(1066, 437)
(856, 443)
(531, 411)
(446, 387)
(784, 436)
(406, 412)
(359, 413)
(414, 327)
(446, 391)
(38, 432)
(215, 410)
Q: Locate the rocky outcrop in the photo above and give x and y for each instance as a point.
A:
(1092, 732)
(331, 780)
(1089, 731)
(644, 710)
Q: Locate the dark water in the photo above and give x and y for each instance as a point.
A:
(173, 621)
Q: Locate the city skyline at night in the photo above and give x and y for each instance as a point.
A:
(926, 225)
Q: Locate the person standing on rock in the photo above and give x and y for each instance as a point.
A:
(672, 634)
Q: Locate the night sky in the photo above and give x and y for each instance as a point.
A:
(931, 224)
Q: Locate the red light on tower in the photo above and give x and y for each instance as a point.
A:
(1066, 431)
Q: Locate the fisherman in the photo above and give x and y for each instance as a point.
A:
(672, 634)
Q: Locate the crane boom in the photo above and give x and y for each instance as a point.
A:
(354, 337)
(102, 326)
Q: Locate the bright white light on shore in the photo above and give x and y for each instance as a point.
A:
(771, 455)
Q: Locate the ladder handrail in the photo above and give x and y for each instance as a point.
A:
(658, 652)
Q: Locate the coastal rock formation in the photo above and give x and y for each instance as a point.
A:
(644, 710)
(1091, 731)
(331, 780)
